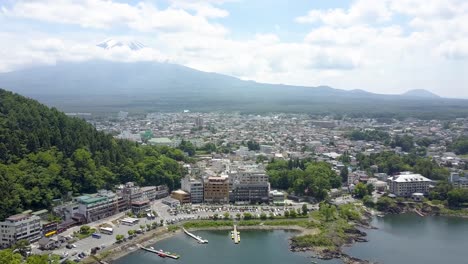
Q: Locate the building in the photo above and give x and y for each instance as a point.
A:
(131, 192)
(161, 191)
(199, 121)
(457, 181)
(182, 196)
(18, 227)
(276, 197)
(141, 206)
(216, 189)
(173, 203)
(99, 206)
(408, 183)
(194, 187)
(249, 184)
(162, 142)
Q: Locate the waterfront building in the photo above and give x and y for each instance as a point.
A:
(141, 206)
(194, 187)
(249, 184)
(173, 203)
(216, 189)
(457, 181)
(18, 227)
(408, 183)
(276, 197)
(182, 196)
(98, 206)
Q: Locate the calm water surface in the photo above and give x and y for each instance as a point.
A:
(398, 239)
(417, 240)
(256, 247)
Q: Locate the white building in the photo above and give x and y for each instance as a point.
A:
(408, 183)
(194, 187)
(18, 227)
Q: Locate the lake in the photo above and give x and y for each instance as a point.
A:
(399, 239)
(255, 247)
(409, 238)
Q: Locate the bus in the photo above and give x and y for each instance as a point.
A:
(106, 230)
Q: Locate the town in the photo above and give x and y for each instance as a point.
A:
(231, 172)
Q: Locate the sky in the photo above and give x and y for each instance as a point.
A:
(381, 46)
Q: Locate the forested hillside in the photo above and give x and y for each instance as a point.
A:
(45, 154)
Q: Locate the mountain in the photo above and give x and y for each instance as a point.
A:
(421, 93)
(113, 43)
(105, 86)
(45, 155)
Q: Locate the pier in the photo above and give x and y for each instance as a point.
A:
(199, 239)
(160, 252)
(236, 235)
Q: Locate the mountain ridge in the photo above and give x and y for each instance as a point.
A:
(105, 86)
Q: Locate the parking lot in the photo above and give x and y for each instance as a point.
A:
(168, 216)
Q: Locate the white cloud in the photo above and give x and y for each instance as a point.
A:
(103, 14)
(364, 46)
(362, 11)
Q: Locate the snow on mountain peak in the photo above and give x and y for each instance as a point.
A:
(112, 43)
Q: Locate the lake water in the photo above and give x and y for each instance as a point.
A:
(256, 247)
(413, 239)
(398, 239)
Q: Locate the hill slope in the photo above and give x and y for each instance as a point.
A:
(44, 155)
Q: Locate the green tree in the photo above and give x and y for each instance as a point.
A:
(119, 238)
(360, 190)
(226, 215)
(85, 229)
(247, 216)
(22, 246)
(286, 214)
(43, 259)
(344, 174)
(304, 209)
(7, 256)
(327, 210)
(293, 213)
(252, 145)
(263, 216)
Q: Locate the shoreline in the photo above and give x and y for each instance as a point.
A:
(120, 250)
(150, 237)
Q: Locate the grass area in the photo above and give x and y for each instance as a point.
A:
(85, 235)
(208, 223)
(335, 225)
(173, 228)
(454, 212)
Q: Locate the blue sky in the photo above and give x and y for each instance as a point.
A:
(384, 46)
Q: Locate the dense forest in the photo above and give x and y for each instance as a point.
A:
(45, 155)
(303, 177)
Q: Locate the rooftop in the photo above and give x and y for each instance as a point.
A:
(410, 178)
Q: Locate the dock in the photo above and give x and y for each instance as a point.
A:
(236, 235)
(199, 239)
(160, 253)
